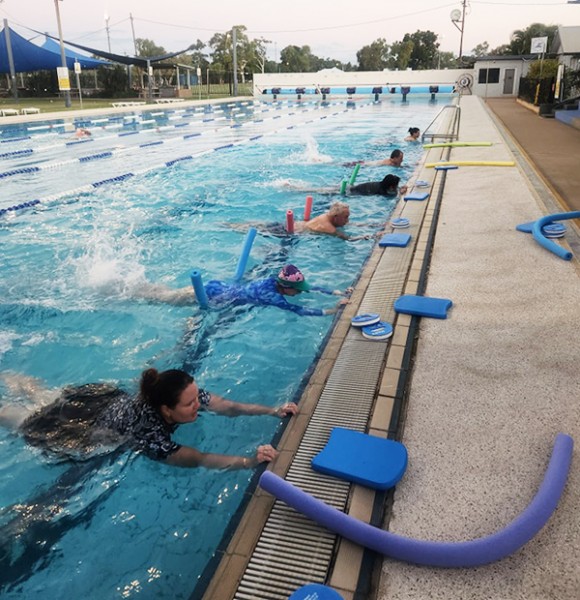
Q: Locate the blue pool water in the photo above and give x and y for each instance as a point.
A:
(125, 526)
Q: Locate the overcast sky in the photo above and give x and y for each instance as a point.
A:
(332, 28)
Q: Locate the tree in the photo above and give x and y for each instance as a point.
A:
(481, 49)
(400, 55)
(543, 69)
(374, 57)
(521, 39)
(296, 60)
(147, 49)
(425, 49)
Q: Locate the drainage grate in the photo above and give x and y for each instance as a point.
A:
(292, 550)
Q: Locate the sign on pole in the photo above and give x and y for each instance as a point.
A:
(539, 45)
(63, 80)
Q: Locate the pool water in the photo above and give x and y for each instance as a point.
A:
(123, 526)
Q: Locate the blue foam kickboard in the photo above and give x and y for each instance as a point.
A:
(395, 239)
(372, 461)
(446, 167)
(423, 306)
(416, 196)
(315, 591)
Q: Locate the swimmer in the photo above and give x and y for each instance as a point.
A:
(414, 135)
(100, 417)
(271, 291)
(395, 160)
(82, 132)
(330, 223)
(389, 186)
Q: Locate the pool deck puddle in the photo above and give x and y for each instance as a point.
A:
(491, 386)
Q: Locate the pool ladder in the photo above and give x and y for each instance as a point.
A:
(453, 131)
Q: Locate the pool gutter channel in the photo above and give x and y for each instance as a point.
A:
(359, 384)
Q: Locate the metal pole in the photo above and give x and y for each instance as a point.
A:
(462, 28)
(10, 60)
(235, 59)
(133, 30)
(149, 84)
(108, 32)
(78, 74)
(67, 101)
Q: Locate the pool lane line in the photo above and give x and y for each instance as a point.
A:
(118, 151)
(123, 177)
(8, 155)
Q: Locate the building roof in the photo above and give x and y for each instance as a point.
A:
(566, 40)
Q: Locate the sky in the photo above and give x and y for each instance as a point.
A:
(331, 28)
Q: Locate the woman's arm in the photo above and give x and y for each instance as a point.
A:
(229, 408)
(190, 457)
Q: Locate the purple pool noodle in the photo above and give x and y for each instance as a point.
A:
(438, 554)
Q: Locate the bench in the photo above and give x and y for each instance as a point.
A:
(8, 112)
(125, 104)
(31, 110)
(169, 100)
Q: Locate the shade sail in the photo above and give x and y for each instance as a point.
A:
(29, 57)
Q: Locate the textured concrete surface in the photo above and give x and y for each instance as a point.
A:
(492, 386)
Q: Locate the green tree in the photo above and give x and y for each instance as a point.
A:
(400, 55)
(294, 59)
(481, 49)
(521, 39)
(373, 57)
(543, 69)
(147, 48)
(425, 49)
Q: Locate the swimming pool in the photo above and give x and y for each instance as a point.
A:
(125, 526)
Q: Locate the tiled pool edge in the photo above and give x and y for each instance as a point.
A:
(348, 558)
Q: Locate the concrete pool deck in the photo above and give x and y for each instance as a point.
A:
(492, 385)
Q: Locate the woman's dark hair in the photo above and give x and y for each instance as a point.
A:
(413, 130)
(390, 182)
(163, 388)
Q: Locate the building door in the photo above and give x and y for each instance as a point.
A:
(508, 82)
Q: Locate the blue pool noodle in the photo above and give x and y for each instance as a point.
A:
(547, 243)
(245, 253)
(197, 282)
(472, 553)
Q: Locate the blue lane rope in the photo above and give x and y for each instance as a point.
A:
(125, 176)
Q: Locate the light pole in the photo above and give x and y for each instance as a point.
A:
(67, 101)
(456, 16)
(108, 31)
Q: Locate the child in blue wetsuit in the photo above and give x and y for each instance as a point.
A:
(264, 292)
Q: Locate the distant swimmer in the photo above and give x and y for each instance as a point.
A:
(395, 160)
(414, 135)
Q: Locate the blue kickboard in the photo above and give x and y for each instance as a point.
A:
(423, 306)
(315, 591)
(416, 196)
(400, 240)
(446, 167)
(372, 461)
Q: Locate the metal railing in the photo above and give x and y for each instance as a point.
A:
(431, 132)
